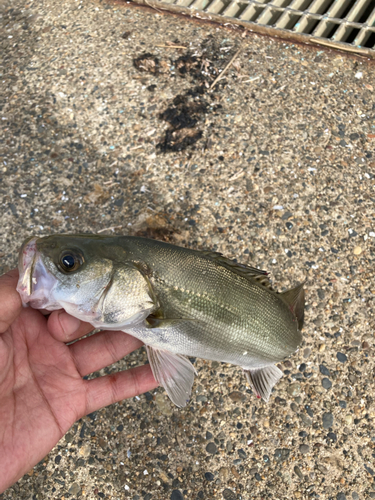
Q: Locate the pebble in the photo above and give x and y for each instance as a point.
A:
(224, 473)
(209, 476)
(327, 420)
(341, 496)
(322, 469)
(341, 357)
(163, 404)
(177, 495)
(237, 396)
(324, 370)
(297, 470)
(326, 383)
(69, 437)
(369, 470)
(229, 494)
(85, 450)
(355, 495)
(332, 436)
(294, 389)
(211, 448)
(309, 411)
(75, 489)
(304, 448)
(357, 251)
(322, 347)
(281, 454)
(348, 419)
(306, 420)
(306, 352)
(294, 407)
(280, 401)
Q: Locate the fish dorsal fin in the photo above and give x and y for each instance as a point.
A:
(251, 273)
(295, 299)
(263, 379)
(174, 372)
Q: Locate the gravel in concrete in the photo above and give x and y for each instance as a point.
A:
(107, 126)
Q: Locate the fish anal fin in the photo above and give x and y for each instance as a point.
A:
(295, 299)
(262, 380)
(174, 372)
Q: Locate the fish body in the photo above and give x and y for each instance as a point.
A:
(179, 302)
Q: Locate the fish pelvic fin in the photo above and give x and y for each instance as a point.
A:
(295, 299)
(174, 372)
(262, 380)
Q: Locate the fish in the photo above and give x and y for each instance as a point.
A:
(179, 302)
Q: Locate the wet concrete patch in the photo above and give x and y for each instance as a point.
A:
(187, 111)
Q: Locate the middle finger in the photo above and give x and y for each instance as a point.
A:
(102, 349)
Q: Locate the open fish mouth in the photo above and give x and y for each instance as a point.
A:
(35, 283)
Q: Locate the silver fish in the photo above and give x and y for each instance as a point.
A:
(179, 302)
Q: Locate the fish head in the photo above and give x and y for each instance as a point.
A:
(81, 275)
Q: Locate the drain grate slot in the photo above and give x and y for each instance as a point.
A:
(345, 24)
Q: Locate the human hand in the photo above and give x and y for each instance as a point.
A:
(42, 390)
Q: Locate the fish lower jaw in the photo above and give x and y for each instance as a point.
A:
(35, 284)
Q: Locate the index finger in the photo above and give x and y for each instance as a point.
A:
(10, 300)
(65, 328)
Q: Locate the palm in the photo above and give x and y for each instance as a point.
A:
(42, 390)
(50, 393)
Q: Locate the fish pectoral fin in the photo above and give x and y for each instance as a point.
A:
(155, 322)
(174, 372)
(262, 380)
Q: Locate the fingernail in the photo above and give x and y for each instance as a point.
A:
(68, 324)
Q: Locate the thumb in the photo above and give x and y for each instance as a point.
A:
(11, 304)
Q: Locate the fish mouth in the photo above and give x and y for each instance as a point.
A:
(35, 283)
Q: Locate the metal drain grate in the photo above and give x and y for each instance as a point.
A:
(343, 24)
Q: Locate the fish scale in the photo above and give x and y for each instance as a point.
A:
(179, 302)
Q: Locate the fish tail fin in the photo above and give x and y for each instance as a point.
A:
(262, 380)
(295, 299)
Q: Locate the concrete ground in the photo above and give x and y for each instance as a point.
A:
(110, 124)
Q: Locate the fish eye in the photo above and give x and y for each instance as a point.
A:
(70, 261)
